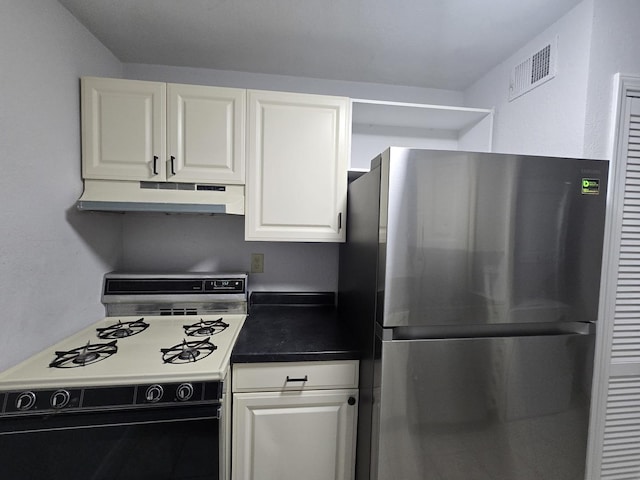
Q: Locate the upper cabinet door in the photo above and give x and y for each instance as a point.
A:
(206, 134)
(297, 167)
(123, 129)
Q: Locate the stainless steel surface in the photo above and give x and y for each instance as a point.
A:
(484, 409)
(140, 302)
(472, 280)
(432, 332)
(175, 308)
(477, 238)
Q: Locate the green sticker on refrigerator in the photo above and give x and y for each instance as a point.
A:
(591, 186)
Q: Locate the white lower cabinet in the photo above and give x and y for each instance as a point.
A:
(294, 428)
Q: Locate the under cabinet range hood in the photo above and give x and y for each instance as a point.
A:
(164, 197)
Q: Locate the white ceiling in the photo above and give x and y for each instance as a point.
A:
(426, 43)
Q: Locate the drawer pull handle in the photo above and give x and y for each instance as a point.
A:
(292, 379)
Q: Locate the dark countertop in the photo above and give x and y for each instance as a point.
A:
(293, 327)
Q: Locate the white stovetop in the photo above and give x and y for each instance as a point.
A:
(138, 359)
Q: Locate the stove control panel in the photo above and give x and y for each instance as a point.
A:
(60, 399)
(123, 285)
(25, 401)
(123, 293)
(224, 285)
(31, 402)
(184, 392)
(154, 393)
(178, 392)
(34, 401)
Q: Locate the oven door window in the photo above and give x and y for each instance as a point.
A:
(158, 444)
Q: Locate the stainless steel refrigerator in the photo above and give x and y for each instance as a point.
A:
(472, 281)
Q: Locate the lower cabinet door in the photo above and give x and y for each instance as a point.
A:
(293, 435)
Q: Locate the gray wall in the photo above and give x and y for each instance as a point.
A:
(51, 258)
(216, 243)
(571, 114)
(548, 120)
(614, 49)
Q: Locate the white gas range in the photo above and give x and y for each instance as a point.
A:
(155, 349)
(159, 357)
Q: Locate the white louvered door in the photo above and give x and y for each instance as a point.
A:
(616, 427)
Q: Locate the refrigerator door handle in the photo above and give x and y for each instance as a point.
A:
(485, 331)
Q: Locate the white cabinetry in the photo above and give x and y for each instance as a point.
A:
(123, 129)
(151, 131)
(378, 125)
(294, 420)
(206, 133)
(297, 167)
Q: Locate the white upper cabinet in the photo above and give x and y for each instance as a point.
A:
(123, 129)
(136, 130)
(297, 167)
(205, 130)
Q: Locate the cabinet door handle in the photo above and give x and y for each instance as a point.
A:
(173, 160)
(293, 379)
(340, 221)
(155, 165)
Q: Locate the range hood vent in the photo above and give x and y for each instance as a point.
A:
(166, 197)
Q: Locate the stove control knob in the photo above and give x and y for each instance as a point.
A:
(60, 399)
(25, 401)
(184, 392)
(154, 393)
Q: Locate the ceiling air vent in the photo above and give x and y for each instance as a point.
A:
(534, 70)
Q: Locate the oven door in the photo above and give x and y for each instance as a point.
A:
(168, 443)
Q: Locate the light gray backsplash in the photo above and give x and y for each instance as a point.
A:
(159, 242)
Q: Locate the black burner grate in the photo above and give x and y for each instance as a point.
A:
(188, 352)
(205, 328)
(85, 355)
(123, 329)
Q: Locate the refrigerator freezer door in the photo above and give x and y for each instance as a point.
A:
(512, 408)
(478, 238)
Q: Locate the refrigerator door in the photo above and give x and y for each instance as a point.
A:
(479, 238)
(513, 408)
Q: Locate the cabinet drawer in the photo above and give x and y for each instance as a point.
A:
(250, 377)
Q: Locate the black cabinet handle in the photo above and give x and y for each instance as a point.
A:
(351, 401)
(155, 165)
(173, 159)
(292, 379)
